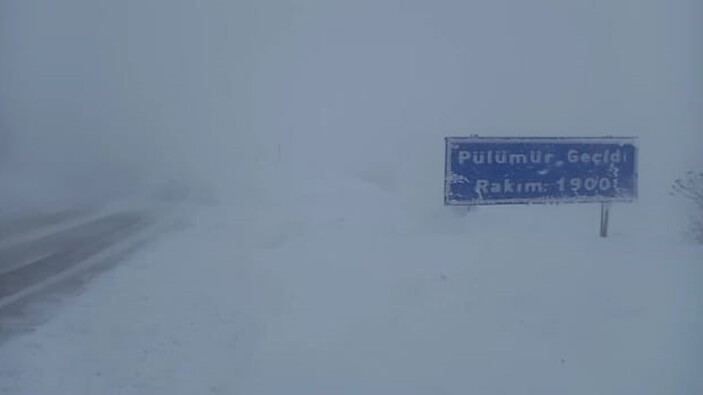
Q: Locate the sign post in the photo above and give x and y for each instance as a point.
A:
(519, 170)
(604, 214)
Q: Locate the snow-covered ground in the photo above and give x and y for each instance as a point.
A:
(345, 291)
(329, 265)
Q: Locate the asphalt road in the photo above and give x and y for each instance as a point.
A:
(33, 267)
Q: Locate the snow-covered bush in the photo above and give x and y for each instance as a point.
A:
(691, 187)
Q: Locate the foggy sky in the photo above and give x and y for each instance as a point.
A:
(101, 98)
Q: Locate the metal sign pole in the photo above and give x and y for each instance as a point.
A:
(604, 217)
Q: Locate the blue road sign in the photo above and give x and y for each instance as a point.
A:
(482, 170)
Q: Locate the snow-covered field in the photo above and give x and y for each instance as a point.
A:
(353, 293)
(325, 262)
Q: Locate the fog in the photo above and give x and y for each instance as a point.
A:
(104, 100)
(268, 179)
(249, 100)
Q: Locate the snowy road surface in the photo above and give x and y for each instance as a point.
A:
(21, 226)
(42, 252)
(377, 299)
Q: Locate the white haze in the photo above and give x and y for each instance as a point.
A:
(257, 99)
(109, 99)
(329, 264)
